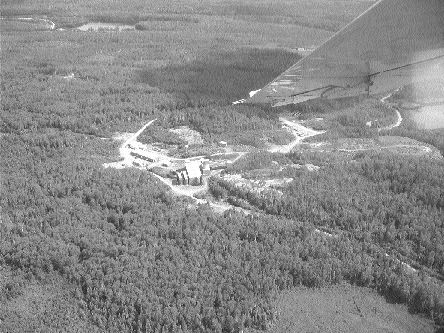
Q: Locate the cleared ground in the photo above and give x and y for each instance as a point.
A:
(343, 308)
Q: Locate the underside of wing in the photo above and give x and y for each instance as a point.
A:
(391, 44)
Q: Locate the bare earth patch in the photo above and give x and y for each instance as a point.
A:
(192, 137)
(122, 136)
(344, 308)
(300, 133)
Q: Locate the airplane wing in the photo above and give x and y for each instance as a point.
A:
(393, 43)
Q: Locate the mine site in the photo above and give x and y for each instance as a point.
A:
(189, 176)
(222, 166)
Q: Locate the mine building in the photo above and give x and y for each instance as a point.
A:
(205, 168)
(143, 157)
(181, 178)
(194, 172)
(184, 178)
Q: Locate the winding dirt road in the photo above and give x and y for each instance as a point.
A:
(390, 106)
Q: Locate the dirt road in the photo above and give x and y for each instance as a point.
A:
(125, 150)
(300, 132)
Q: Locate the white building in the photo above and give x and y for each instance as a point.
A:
(194, 172)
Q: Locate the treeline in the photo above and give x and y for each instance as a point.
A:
(348, 118)
(258, 160)
(156, 133)
(241, 125)
(234, 124)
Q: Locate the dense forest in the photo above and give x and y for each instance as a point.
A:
(88, 249)
(394, 201)
(144, 262)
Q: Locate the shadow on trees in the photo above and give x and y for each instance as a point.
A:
(220, 77)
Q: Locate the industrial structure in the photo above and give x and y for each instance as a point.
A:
(193, 173)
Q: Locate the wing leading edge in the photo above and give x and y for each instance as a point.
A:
(393, 43)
